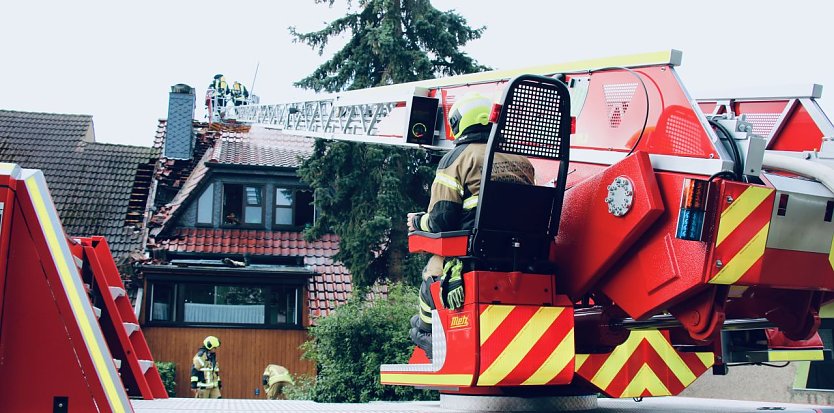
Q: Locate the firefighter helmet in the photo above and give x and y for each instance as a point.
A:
(211, 342)
(471, 110)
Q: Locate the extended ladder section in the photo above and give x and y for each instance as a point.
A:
(414, 114)
(54, 354)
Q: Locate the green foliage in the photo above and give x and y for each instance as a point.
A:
(363, 192)
(302, 389)
(168, 372)
(392, 41)
(350, 344)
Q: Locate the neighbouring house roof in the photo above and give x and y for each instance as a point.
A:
(98, 188)
(259, 148)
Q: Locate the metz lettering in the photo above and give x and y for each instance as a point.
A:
(459, 321)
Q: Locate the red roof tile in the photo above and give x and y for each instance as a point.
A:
(330, 276)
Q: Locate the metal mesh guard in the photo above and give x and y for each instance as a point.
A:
(533, 121)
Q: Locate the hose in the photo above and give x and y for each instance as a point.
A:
(820, 172)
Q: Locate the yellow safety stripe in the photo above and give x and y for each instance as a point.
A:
(426, 319)
(427, 379)
(739, 210)
(423, 306)
(795, 355)
(520, 346)
(449, 182)
(803, 369)
(555, 363)
(645, 379)
(491, 318)
(470, 202)
(424, 223)
(51, 233)
(746, 257)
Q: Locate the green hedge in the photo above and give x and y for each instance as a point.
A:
(351, 343)
(168, 372)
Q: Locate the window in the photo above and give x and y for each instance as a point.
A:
(204, 205)
(242, 204)
(293, 207)
(225, 304)
(206, 303)
(163, 302)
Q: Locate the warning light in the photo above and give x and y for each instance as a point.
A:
(495, 113)
(692, 210)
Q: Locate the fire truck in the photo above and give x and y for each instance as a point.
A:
(665, 237)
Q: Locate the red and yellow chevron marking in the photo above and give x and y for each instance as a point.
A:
(742, 233)
(645, 365)
(526, 345)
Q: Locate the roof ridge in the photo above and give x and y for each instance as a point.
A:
(45, 113)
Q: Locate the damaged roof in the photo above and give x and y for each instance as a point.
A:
(98, 188)
(260, 148)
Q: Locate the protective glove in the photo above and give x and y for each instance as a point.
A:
(451, 286)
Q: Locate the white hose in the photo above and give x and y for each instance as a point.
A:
(802, 167)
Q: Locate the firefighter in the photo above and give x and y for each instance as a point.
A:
(454, 198)
(221, 90)
(274, 379)
(205, 374)
(240, 94)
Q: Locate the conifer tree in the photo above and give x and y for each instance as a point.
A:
(363, 192)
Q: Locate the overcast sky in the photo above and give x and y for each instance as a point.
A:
(116, 60)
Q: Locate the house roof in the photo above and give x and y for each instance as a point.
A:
(96, 186)
(255, 147)
(330, 287)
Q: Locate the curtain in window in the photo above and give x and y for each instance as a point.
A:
(224, 313)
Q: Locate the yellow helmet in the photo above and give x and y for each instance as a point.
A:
(211, 342)
(472, 109)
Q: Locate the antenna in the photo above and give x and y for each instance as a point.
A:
(252, 91)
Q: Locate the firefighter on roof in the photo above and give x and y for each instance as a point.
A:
(205, 375)
(240, 94)
(454, 199)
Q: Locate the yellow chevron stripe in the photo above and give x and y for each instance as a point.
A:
(616, 360)
(746, 257)
(707, 358)
(739, 210)
(427, 379)
(795, 355)
(645, 379)
(671, 357)
(555, 363)
(520, 345)
(491, 318)
(579, 361)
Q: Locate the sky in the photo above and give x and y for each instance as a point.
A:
(117, 60)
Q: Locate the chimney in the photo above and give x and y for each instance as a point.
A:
(179, 135)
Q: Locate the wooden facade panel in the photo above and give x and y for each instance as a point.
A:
(242, 356)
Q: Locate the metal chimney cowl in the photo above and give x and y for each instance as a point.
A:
(179, 135)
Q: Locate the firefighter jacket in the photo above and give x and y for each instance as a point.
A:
(457, 183)
(275, 374)
(204, 370)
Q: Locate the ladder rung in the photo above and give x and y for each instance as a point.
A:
(145, 365)
(117, 292)
(118, 363)
(130, 328)
(97, 311)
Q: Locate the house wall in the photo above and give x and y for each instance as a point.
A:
(242, 356)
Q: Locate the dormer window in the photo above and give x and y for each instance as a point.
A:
(242, 204)
(204, 205)
(293, 207)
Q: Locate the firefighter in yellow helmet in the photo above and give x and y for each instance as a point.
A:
(453, 203)
(274, 379)
(240, 94)
(205, 374)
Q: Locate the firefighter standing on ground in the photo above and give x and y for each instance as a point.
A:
(274, 379)
(454, 198)
(205, 375)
